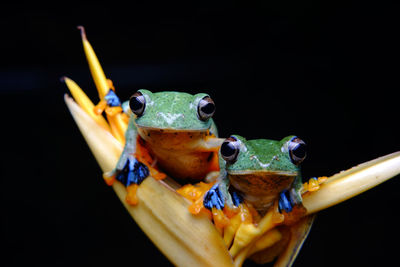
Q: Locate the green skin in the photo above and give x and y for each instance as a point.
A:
(173, 111)
(262, 170)
(167, 122)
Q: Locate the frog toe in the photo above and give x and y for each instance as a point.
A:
(112, 111)
(219, 218)
(109, 178)
(131, 197)
(157, 174)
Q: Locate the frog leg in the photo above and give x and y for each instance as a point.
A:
(292, 196)
(129, 149)
(290, 202)
(125, 108)
(128, 170)
(218, 198)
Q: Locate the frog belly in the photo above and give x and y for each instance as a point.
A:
(177, 153)
(261, 189)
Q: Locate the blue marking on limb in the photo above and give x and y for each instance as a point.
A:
(214, 198)
(284, 202)
(236, 199)
(134, 172)
(112, 99)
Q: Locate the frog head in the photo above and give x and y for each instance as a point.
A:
(261, 169)
(172, 111)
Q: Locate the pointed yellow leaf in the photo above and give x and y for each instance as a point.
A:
(354, 181)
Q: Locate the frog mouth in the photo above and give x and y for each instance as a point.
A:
(168, 129)
(262, 173)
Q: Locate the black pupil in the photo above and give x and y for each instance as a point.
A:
(299, 150)
(135, 103)
(227, 149)
(208, 108)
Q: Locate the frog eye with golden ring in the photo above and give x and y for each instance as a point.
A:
(230, 149)
(137, 103)
(206, 108)
(297, 150)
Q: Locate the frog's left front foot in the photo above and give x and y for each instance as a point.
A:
(290, 206)
(286, 202)
(132, 175)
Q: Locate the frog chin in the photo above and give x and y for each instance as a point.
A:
(173, 139)
(261, 188)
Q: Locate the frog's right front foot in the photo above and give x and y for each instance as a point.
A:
(131, 175)
(214, 200)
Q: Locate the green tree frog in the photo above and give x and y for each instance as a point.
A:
(176, 130)
(260, 171)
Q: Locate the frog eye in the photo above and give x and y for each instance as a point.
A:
(206, 108)
(137, 103)
(230, 149)
(297, 150)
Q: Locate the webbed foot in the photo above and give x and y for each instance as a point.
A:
(132, 174)
(214, 200)
(313, 183)
(111, 104)
(290, 206)
(285, 201)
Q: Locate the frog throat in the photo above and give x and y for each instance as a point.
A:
(264, 185)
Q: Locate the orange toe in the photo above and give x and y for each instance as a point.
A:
(131, 197)
(111, 111)
(109, 180)
(230, 212)
(313, 185)
(220, 220)
(99, 108)
(157, 175)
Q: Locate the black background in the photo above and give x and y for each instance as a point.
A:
(325, 72)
